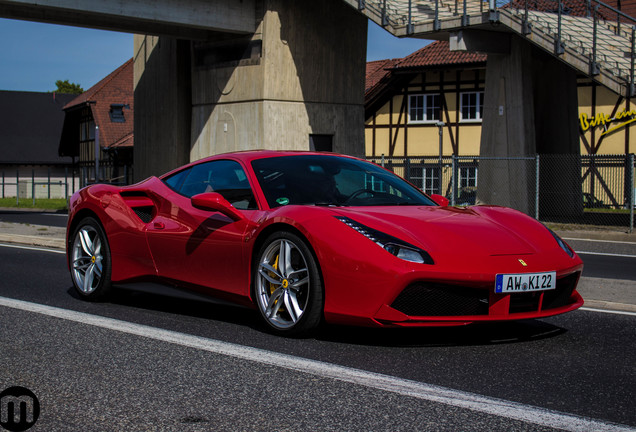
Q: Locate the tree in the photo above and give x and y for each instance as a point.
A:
(67, 87)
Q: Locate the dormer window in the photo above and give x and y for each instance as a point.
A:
(117, 113)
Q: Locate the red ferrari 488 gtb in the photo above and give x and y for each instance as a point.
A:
(306, 237)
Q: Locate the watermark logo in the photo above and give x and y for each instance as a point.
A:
(19, 409)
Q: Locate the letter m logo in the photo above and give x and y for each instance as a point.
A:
(19, 409)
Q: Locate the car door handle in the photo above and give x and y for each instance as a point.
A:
(159, 225)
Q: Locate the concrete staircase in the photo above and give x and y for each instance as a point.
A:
(595, 39)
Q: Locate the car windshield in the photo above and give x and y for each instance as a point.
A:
(332, 181)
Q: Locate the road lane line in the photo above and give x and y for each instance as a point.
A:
(605, 254)
(432, 393)
(609, 311)
(599, 241)
(33, 248)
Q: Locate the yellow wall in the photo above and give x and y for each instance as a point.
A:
(423, 139)
(607, 124)
(396, 136)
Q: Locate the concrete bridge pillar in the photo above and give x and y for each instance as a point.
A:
(297, 83)
(530, 107)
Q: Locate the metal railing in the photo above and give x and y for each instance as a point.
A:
(27, 185)
(601, 188)
(565, 26)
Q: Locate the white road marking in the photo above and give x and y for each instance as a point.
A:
(605, 254)
(34, 248)
(433, 393)
(609, 311)
(599, 241)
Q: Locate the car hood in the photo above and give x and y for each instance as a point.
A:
(493, 230)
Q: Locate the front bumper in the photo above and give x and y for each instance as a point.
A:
(435, 304)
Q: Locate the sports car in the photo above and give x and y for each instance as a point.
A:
(306, 237)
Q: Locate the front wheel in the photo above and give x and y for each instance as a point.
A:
(287, 285)
(90, 260)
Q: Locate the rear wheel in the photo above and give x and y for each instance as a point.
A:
(287, 285)
(90, 260)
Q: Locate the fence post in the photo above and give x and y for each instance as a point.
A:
(49, 181)
(454, 179)
(633, 192)
(33, 185)
(2, 184)
(536, 189)
(17, 188)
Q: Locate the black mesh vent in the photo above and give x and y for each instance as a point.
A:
(560, 296)
(431, 299)
(144, 213)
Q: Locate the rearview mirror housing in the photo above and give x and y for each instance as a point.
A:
(441, 200)
(215, 201)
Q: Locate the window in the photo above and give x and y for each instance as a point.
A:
(429, 181)
(468, 177)
(327, 180)
(224, 177)
(117, 113)
(321, 142)
(471, 106)
(424, 108)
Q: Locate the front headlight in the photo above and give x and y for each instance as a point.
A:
(394, 246)
(561, 243)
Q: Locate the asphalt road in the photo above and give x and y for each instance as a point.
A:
(34, 218)
(171, 375)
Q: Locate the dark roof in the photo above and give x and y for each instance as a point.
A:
(114, 90)
(30, 127)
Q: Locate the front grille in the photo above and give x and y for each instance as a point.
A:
(560, 296)
(434, 299)
(524, 302)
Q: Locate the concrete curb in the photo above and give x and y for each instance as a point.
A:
(50, 242)
(610, 306)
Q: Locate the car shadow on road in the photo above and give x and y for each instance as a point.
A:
(491, 333)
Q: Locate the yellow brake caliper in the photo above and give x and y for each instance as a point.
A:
(272, 287)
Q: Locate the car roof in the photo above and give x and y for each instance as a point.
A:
(248, 156)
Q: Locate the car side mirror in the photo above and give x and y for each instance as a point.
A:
(441, 200)
(215, 201)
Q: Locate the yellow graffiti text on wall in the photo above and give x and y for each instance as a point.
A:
(604, 120)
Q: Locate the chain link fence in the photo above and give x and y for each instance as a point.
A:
(571, 189)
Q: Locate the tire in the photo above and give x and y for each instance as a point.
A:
(90, 260)
(289, 295)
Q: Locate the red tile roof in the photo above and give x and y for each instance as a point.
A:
(115, 89)
(438, 53)
(376, 70)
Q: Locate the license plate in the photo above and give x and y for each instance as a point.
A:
(525, 282)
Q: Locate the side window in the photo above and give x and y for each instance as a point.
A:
(224, 177)
(176, 180)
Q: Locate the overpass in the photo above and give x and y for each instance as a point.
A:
(222, 75)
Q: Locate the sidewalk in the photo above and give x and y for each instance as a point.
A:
(598, 293)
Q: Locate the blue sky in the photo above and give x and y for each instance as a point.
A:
(35, 55)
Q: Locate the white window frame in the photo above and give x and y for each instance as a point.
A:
(427, 99)
(470, 179)
(479, 106)
(431, 179)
